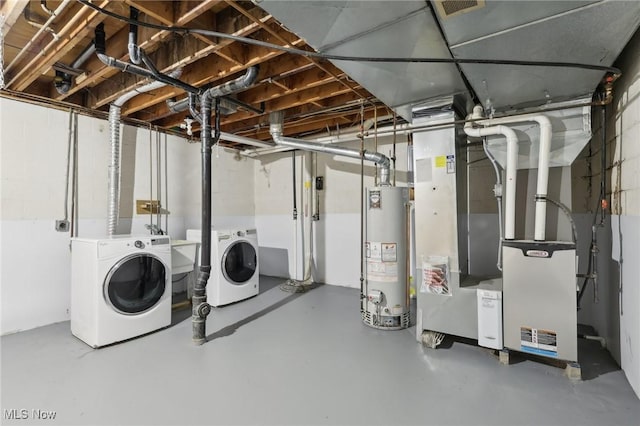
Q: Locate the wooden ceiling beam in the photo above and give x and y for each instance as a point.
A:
(161, 11)
(268, 70)
(97, 72)
(77, 27)
(306, 96)
(251, 126)
(267, 90)
(188, 11)
(205, 71)
(174, 55)
(11, 10)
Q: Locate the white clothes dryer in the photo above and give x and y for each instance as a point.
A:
(120, 287)
(234, 265)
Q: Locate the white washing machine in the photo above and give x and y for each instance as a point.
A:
(120, 287)
(234, 265)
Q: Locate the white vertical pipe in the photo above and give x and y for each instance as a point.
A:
(510, 184)
(544, 151)
(511, 171)
(543, 178)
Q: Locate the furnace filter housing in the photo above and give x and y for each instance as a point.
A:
(386, 293)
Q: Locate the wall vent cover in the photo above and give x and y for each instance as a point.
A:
(449, 8)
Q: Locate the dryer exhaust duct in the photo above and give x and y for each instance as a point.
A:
(114, 138)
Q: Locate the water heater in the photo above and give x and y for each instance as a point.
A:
(385, 304)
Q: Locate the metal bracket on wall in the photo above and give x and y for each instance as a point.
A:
(149, 207)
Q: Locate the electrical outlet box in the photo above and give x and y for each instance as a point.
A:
(62, 225)
(319, 183)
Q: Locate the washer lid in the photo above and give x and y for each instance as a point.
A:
(135, 284)
(239, 262)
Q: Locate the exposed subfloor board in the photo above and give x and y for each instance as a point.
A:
(305, 358)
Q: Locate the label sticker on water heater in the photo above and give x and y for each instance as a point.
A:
(375, 200)
(382, 271)
(389, 252)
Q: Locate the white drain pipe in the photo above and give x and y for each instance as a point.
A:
(543, 163)
(510, 170)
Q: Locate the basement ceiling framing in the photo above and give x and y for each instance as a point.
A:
(314, 94)
(330, 66)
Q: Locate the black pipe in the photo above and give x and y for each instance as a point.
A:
(240, 83)
(65, 74)
(134, 50)
(148, 63)
(216, 129)
(62, 82)
(603, 164)
(134, 69)
(192, 108)
(245, 105)
(199, 303)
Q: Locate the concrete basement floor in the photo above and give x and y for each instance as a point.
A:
(283, 358)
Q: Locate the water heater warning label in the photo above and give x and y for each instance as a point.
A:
(539, 341)
(389, 252)
(382, 271)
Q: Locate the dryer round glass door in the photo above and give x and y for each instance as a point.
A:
(239, 262)
(135, 284)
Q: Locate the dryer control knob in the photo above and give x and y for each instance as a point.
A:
(139, 244)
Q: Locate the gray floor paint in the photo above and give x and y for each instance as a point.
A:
(283, 358)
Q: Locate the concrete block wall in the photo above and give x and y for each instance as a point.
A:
(34, 257)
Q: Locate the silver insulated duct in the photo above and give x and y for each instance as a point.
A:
(275, 128)
(113, 204)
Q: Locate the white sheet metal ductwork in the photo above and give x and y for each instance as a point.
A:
(275, 128)
(113, 204)
(382, 29)
(581, 31)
